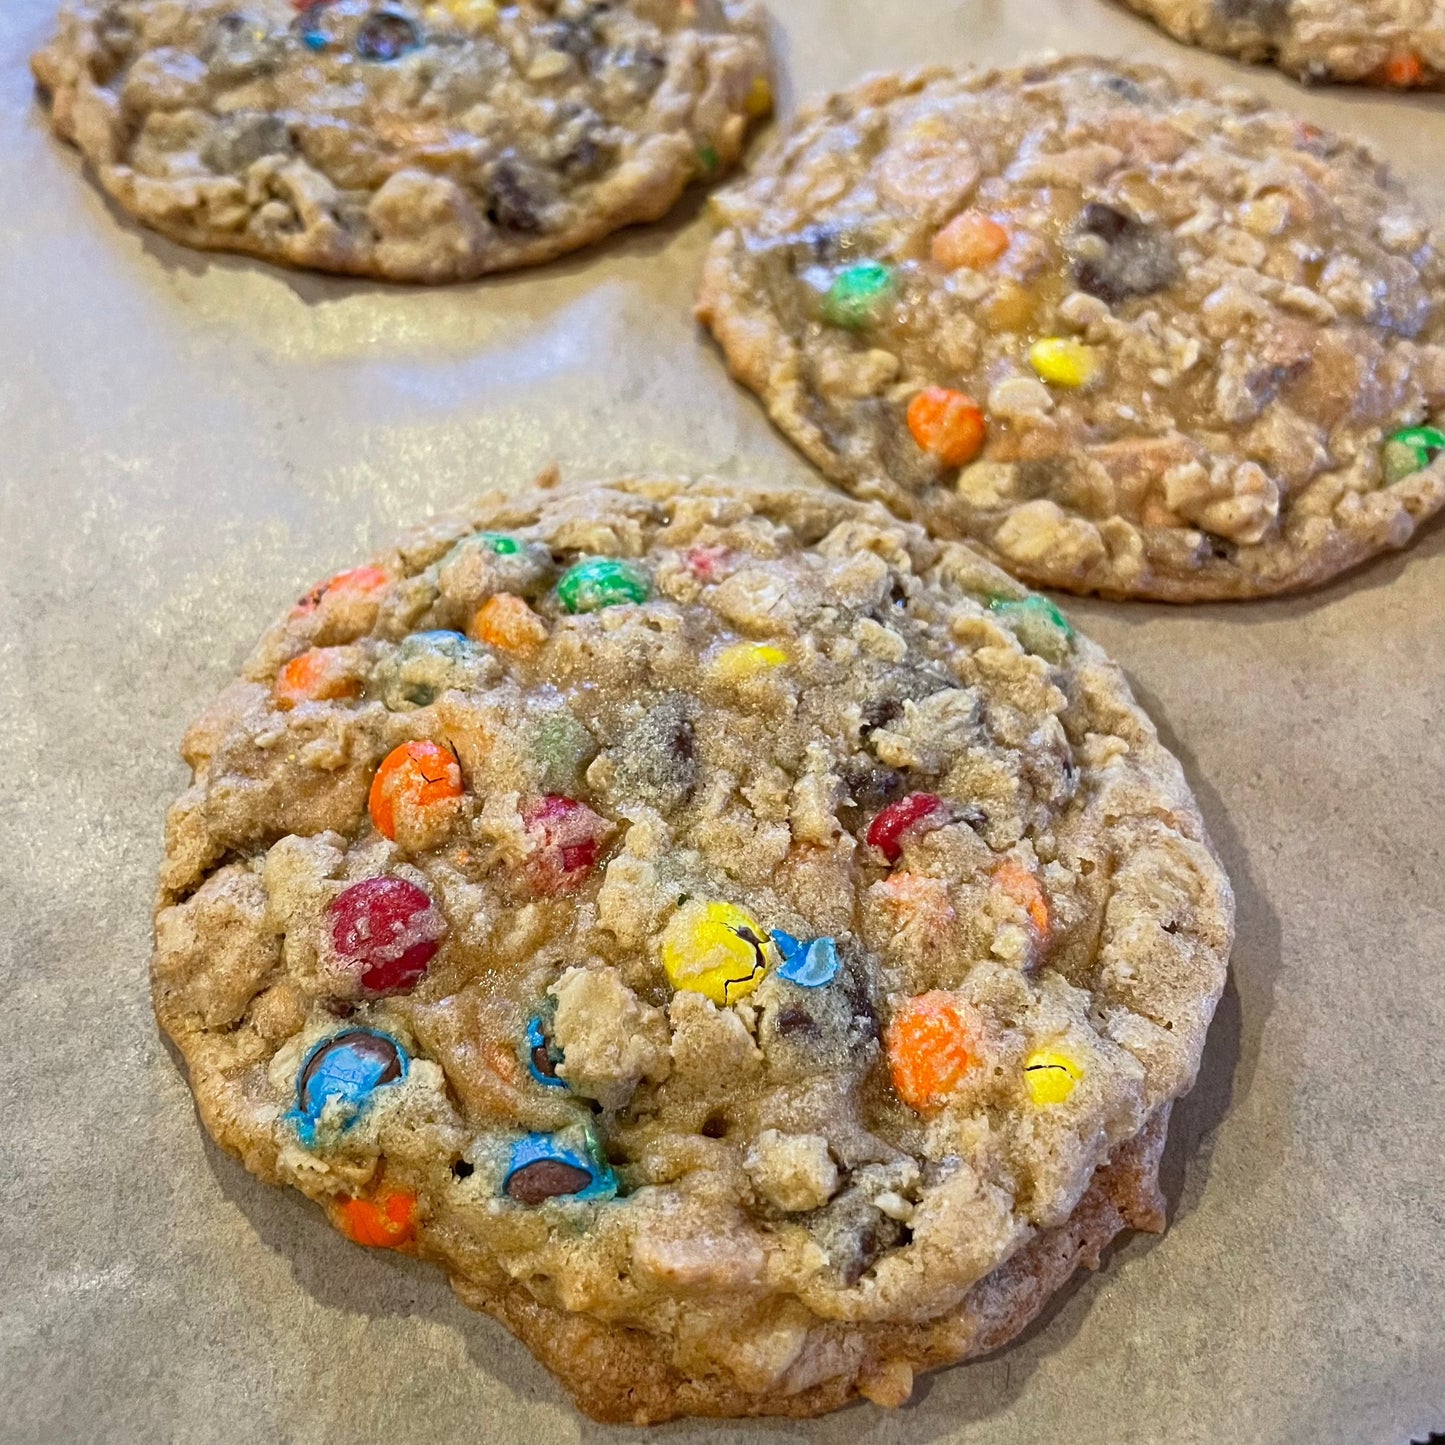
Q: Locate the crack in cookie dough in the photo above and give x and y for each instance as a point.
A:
(391, 138)
(1126, 334)
(769, 977)
(1397, 44)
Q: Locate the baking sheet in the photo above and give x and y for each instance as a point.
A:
(187, 441)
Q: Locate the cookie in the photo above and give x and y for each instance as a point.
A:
(1399, 44)
(392, 138)
(752, 947)
(1124, 333)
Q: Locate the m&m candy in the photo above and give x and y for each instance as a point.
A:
(1037, 623)
(931, 1045)
(1410, 451)
(385, 1223)
(341, 1074)
(812, 963)
(568, 838)
(602, 582)
(887, 831)
(357, 583)
(947, 424)
(426, 665)
(320, 674)
(416, 775)
(1050, 1076)
(388, 929)
(542, 1055)
(857, 295)
(714, 949)
(543, 1167)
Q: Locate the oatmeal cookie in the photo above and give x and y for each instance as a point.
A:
(1125, 333)
(752, 947)
(393, 138)
(1399, 44)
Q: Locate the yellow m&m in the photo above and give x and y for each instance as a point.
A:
(1062, 362)
(1050, 1076)
(714, 949)
(747, 659)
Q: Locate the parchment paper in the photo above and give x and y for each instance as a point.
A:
(186, 442)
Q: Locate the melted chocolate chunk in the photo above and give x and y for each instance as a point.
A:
(1116, 255)
(870, 784)
(853, 1233)
(879, 714)
(546, 1179)
(239, 141)
(516, 197)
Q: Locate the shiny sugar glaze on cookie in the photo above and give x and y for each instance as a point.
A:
(766, 961)
(414, 141)
(1127, 334)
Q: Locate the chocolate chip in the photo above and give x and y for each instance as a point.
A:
(515, 197)
(853, 1233)
(581, 147)
(879, 714)
(386, 35)
(1116, 255)
(546, 1179)
(239, 141)
(870, 784)
(1126, 89)
(804, 1031)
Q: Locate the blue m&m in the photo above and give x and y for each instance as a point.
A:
(544, 1167)
(343, 1072)
(810, 963)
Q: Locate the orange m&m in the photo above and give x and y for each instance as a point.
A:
(320, 674)
(1018, 883)
(387, 1223)
(931, 1045)
(417, 774)
(360, 582)
(947, 425)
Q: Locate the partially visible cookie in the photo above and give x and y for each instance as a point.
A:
(1126, 333)
(751, 946)
(1399, 44)
(410, 141)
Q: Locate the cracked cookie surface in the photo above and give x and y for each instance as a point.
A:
(752, 947)
(1396, 44)
(408, 141)
(1124, 333)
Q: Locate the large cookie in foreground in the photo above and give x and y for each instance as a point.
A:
(752, 947)
(393, 139)
(1125, 333)
(1398, 44)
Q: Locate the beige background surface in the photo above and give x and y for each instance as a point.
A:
(186, 442)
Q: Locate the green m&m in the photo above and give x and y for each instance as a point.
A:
(602, 582)
(857, 294)
(499, 543)
(1037, 623)
(1410, 451)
